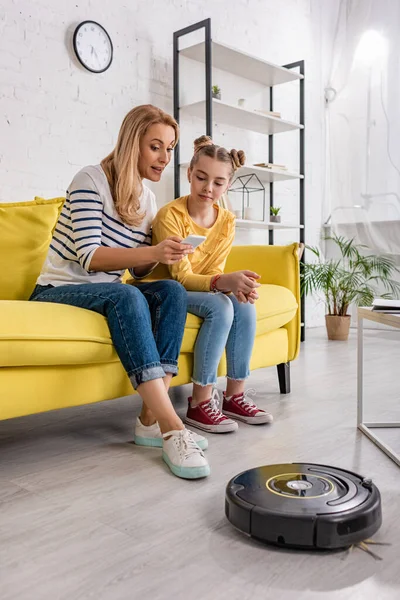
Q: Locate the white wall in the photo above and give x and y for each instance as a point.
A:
(56, 117)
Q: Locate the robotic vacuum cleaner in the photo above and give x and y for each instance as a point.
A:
(305, 506)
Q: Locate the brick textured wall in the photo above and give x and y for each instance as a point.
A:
(55, 117)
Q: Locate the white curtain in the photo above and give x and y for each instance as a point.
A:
(363, 125)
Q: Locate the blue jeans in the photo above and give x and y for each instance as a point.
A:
(226, 324)
(146, 321)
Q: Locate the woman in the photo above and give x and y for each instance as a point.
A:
(229, 318)
(103, 229)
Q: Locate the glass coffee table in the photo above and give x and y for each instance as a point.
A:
(391, 320)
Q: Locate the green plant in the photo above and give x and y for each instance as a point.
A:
(274, 210)
(352, 279)
(216, 89)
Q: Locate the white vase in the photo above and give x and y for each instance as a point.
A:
(249, 213)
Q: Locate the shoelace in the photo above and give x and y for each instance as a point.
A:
(212, 408)
(246, 403)
(186, 444)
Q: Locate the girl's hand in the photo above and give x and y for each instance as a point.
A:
(242, 298)
(170, 251)
(240, 283)
(252, 297)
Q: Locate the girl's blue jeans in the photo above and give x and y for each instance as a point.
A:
(146, 321)
(227, 324)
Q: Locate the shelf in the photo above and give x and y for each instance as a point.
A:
(265, 175)
(268, 175)
(240, 117)
(242, 64)
(259, 77)
(243, 224)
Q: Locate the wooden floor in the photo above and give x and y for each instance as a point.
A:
(84, 514)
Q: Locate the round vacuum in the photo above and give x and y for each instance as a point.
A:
(304, 506)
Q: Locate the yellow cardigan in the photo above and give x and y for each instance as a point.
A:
(195, 271)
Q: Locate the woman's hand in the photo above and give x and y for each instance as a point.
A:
(170, 250)
(241, 283)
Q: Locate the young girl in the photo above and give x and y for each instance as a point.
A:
(103, 229)
(229, 318)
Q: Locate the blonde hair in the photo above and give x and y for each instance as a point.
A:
(204, 146)
(121, 166)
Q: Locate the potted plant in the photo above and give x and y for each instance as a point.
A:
(274, 215)
(353, 278)
(216, 92)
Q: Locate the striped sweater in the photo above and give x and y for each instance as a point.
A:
(87, 221)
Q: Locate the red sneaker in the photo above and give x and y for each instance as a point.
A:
(208, 417)
(240, 407)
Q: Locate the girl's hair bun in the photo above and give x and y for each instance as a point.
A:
(238, 158)
(204, 146)
(202, 142)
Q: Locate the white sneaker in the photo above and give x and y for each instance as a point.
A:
(183, 456)
(151, 436)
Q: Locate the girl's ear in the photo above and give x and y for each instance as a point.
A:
(189, 175)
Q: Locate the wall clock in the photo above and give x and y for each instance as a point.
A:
(93, 46)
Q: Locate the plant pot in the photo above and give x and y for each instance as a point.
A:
(217, 96)
(275, 218)
(337, 328)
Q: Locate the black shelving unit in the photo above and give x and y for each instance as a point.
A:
(208, 115)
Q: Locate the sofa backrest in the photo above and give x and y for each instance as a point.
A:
(25, 233)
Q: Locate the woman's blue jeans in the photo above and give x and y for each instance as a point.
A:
(146, 321)
(227, 324)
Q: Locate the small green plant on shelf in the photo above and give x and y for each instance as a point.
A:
(216, 92)
(275, 217)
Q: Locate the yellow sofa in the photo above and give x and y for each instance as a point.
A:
(54, 356)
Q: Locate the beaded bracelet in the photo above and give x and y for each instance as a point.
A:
(213, 283)
(213, 286)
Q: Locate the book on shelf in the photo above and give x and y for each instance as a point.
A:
(385, 305)
(269, 113)
(271, 166)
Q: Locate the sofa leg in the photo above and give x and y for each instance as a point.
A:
(284, 377)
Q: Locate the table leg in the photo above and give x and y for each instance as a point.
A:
(359, 370)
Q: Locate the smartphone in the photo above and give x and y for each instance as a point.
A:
(194, 240)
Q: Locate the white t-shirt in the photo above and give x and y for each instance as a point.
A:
(87, 221)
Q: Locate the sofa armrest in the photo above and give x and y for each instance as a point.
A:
(278, 265)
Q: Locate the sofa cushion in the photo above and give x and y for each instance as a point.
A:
(276, 306)
(45, 333)
(26, 230)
